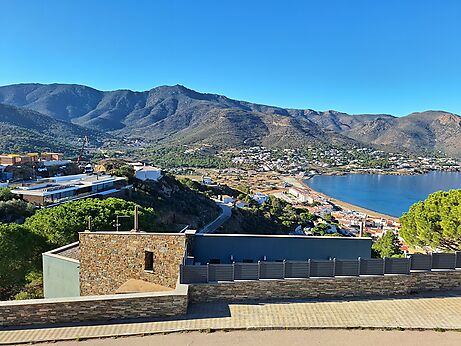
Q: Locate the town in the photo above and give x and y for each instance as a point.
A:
(47, 179)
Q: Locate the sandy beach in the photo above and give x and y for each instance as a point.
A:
(300, 183)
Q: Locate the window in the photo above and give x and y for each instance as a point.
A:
(247, 261)
(148, 260)
(215, 261)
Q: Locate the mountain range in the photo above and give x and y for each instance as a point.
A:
(176, 114)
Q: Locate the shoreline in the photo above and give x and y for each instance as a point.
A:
(345, 205)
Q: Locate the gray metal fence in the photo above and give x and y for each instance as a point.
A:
(443, 261)
(397, 266)
(322, 268)
(297, 269)
(346, 267)
(371, 266)
(318, 268)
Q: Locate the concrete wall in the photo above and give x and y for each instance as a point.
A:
(109, 259)
(255, 247)
(61, 275)
(95, 308)
(325, 287)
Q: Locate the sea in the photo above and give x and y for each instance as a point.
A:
(387, 194)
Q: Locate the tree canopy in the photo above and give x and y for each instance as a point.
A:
(60, 225)
(20, 253)
(387, 246)
(5, 194)
(435, 222)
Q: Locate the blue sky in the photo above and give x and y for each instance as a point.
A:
(376, 56)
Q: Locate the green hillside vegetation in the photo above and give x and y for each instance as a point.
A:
(171, 157)
(24, 130)
(177, 205)
(273, 217)
(435, 222)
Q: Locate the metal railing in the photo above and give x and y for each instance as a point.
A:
(262, 270)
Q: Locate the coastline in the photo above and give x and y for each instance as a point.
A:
(300, 183)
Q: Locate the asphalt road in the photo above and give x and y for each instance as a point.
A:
(226, 212)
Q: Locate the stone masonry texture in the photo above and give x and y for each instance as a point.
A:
(104, 308)
(325, 287)
(109, 259)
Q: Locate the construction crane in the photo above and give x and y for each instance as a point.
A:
(84, 144)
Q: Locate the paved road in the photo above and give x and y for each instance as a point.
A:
(435, 311)
(326, 337)
(226, 212)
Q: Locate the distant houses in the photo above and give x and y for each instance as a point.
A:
(302, 195)
(260, 198)
(148, 173)
(20, 159)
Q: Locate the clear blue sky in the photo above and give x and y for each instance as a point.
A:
(353, 56)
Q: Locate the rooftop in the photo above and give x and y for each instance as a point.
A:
(49, 186)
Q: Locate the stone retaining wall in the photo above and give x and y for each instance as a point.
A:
(93, 308)
(325, 287)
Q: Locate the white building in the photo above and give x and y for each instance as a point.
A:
(207, 181)
(260, 198)
(227, 199)
(302, 195)
(149, 173)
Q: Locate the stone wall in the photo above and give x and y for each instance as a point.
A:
(109, 259)
(325, 287)
(95, 308)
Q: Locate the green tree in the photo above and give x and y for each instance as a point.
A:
(6, 194)
(387, 246)
(20, 254)
(124, 171)
(33, 289)
(435, 222)
(15, 210)
(60, 225)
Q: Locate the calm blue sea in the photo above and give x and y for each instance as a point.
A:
(387, 194)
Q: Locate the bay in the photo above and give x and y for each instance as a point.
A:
(387, 194)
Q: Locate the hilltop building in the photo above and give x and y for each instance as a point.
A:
(65, 188)
(148, 173)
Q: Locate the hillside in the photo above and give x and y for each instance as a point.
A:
(175, 114)
(24, 130)
(431, 131)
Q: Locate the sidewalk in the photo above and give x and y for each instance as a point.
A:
(434, 311)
